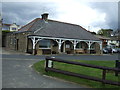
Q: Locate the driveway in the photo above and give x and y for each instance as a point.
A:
(18, 73)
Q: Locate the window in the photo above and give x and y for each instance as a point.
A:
(79, 45)
(44, 44)
(12, 41)
(13, 28)
(93, 46)
(67, 46)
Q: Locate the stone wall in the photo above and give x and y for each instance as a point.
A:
(17, 41)
(20, 42)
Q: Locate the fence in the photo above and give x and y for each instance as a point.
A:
(117, 65)
(50, 67)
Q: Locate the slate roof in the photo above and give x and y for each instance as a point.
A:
(114, 38)
(57, 29)
(5, 24)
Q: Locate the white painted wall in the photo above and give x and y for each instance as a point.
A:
(114, 42)
(13, 27)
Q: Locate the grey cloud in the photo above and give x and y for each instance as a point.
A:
(111, 11)
(23, 12)
(119, 15)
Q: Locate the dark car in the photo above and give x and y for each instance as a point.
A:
(107, 50)
(118, 50)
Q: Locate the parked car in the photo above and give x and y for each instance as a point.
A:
(107, 50)
(118, 50)
(114, 50)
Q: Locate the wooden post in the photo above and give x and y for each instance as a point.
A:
(103, 79)
(64, 47)
(103, 75)
(74, 44)
(46, 65)
(34, 42)
(59, 46)
(89, 44)
(117, 66)
(33, 51)
(101, 48)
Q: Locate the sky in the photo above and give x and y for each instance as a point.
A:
(91, 15)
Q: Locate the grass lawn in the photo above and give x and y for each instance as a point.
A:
(39, 67)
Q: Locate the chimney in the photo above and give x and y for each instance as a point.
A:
(45, 16)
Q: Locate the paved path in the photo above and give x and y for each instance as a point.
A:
(18, 73)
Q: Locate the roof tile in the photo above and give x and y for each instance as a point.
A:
(58, 29)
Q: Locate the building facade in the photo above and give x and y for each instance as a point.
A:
(45, 36)
(10, 27)
(104, 40)
(114, 41)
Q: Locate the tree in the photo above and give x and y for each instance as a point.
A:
(93, 33)
(105, 32)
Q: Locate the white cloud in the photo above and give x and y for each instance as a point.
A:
(72, 11)
(80, 13)
(59, 0)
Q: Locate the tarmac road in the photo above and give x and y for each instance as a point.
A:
(19, 55)
(18, 73)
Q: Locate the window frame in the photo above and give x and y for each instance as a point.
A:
(48, 47)
(14, 28)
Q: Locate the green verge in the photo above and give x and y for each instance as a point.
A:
(39, 67)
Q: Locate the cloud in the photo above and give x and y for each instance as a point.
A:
(119, 15)
(82, 14)
(94, 14)
(22, 12)
(111, 11)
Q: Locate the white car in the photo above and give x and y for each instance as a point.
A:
(114, 50)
